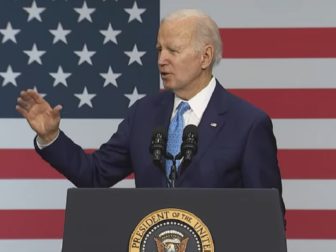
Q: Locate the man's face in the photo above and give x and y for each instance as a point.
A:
(179, 63)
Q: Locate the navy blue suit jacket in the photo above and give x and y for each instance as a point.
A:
(239, 152)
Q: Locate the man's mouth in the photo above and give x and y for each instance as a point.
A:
(164, 74)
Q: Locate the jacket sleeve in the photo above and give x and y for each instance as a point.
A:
(102, 168)
(260, 167)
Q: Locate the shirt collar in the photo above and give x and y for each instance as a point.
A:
(200, 101)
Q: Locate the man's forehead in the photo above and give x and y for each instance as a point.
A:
(179, 28)
(186, 22)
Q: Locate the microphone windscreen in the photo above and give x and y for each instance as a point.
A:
(190, 129)
(160, 131)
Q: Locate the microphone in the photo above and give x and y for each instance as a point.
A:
(189, 143)
(158, 146)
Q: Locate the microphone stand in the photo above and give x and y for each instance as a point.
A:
(173, 173)
(173, 169)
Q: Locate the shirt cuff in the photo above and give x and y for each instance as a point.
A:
(41, 145)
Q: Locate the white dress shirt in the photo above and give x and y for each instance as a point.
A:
(197, 104)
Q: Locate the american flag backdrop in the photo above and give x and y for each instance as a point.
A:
(96, 57)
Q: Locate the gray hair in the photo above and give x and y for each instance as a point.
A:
(206, 30)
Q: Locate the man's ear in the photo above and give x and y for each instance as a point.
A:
(207, 56)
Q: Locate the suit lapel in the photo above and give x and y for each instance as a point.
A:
(163, 111)
(164, 108)
(213, 120)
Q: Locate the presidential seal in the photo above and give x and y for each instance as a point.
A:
(171, 230)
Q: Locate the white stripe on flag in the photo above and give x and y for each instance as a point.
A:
(260, 13)
(56, 245)
(276, 73)
(311, 245)
(290, 133)
(39, 193)
(31, 245)
(309, 194)
(79, 130)
(305, 133)
(36, 194)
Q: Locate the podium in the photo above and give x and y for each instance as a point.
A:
(179, 220)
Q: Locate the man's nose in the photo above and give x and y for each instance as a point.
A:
(162, 58)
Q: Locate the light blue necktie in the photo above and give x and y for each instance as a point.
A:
(175, 132)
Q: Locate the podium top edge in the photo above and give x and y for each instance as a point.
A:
(176, 189)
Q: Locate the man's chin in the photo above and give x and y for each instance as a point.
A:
(167, 85)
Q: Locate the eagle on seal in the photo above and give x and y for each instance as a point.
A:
(171, 242)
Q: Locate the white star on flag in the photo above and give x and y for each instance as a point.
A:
(134, 96)
(135, 55)
(60, 77)
(84, 12)
(9, 33)
(34, 12)
(85, 98)
(110, 77)
(85, 55)
(34, 55)
(60, 34)
(110, 34)
(9, 76)
(135, 13)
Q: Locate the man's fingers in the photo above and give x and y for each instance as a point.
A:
(31, 95)
(56, 110)
(29, 98)
(23, 104)
(22, 111)
(35, 95)
(24, 95)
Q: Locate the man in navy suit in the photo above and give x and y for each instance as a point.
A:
(236, 145)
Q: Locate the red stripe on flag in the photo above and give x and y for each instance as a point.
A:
(307, 164)
(31, 224)
(278, 42)
(292, 103)
(48, 224)
(311, 224)
(27, 164)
